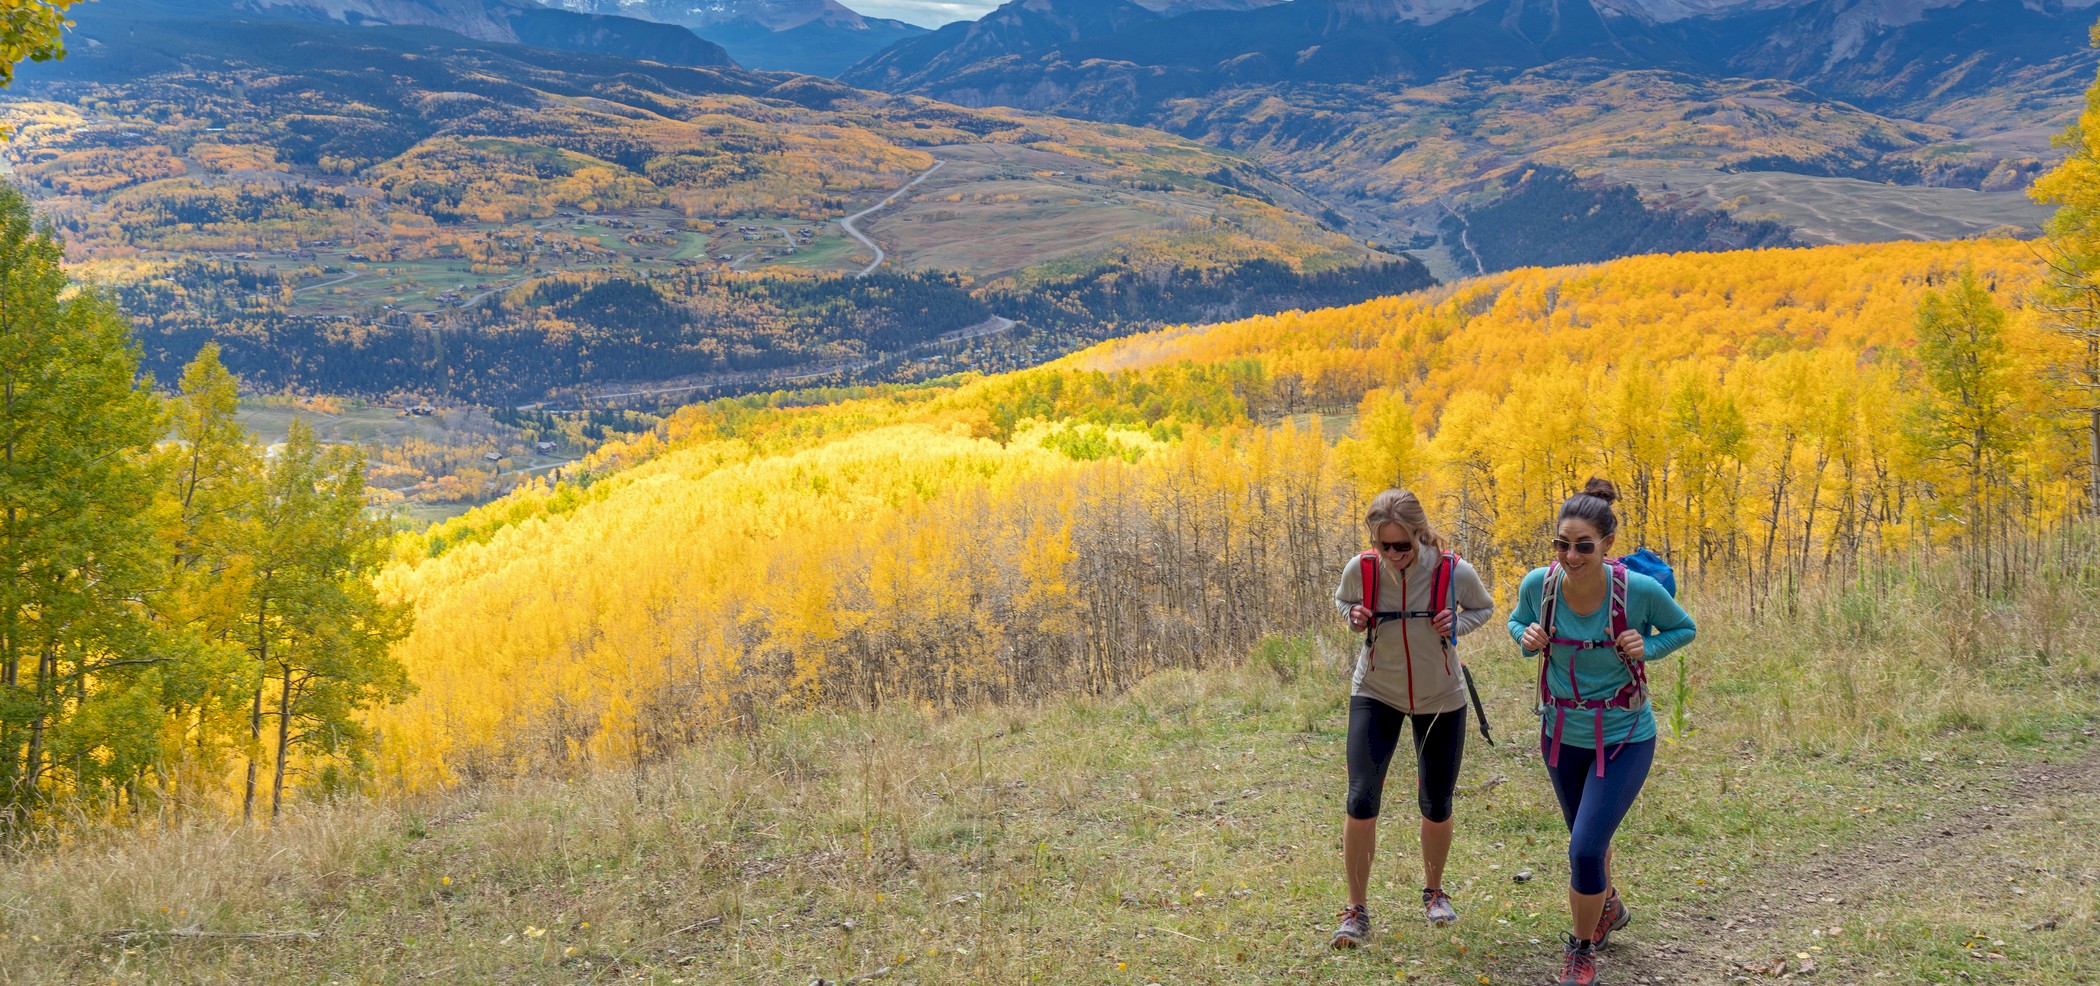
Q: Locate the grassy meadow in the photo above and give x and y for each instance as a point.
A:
(1852, 787)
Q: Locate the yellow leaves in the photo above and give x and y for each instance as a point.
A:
(875, 551)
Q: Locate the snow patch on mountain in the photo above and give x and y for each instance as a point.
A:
(774, 15)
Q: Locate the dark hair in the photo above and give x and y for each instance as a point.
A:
(1593, 504)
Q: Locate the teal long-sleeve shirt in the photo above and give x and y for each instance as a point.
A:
(1649, 609)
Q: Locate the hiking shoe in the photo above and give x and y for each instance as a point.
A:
(1578, 962)
(1356, 927)
(1437, 904)
(1612, 918)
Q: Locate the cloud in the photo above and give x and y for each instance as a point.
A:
(925, 13)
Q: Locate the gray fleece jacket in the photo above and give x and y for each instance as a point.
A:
(1407, 665)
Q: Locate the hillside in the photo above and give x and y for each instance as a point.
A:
(1183, 830)
(1403, 114)
(374, 210)
(1035, 675)
(668, 562)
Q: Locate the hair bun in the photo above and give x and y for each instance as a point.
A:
(1602, 489)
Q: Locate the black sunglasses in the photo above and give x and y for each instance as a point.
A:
(1582, 547)
(1396, 547)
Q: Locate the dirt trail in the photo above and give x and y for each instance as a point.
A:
(854, 231)
(1775, 913)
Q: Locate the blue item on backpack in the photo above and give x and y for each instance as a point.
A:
(1652, 565)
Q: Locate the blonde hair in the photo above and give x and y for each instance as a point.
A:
(1400, 507)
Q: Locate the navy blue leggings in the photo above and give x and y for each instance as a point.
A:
(1594, 806)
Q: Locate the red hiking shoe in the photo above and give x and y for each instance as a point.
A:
(1578, 962)
(1612, 918)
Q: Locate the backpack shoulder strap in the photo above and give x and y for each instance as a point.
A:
(1440, 587)
(1367, 570)
(1619, 622)
(1549, 597)
(1440, 592)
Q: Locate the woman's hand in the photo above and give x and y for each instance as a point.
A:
(1442, 622)
(1535, 638)
(1633, 645)
(1359, 617)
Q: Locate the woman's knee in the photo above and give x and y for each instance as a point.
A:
(1435, 807)
(1586, 868)
(1364, 799)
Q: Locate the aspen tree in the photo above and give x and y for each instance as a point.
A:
(78, 659)
(211, 468)
(2070, 293)
(318, 631)
(1964, 419)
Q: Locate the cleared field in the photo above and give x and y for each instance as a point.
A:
(1841, 210)
(996, 208)
(414, 455)
(368, 425)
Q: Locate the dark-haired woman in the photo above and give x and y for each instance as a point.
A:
(1407, 675)
(1598, 733)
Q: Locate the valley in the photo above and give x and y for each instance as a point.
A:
(694, 491)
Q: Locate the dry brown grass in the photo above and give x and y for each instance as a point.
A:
(1184, 831)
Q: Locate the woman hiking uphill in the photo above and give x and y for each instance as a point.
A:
(1597, 622)
(1419, 600)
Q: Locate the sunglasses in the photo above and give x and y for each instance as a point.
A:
(1396, 547)
(1582, 547)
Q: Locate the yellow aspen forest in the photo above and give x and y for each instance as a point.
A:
(1169, 499)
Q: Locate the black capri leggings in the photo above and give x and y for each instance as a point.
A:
(1374, 732)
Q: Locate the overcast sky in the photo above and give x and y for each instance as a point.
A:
(925, 13)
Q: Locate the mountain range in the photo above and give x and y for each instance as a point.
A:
(815, 37)
(512, 21)
(1113, 59)
(1401, 113)
(1730, 122)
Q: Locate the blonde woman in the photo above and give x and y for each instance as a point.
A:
(1412, 599)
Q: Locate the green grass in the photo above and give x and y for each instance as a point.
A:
(1186, 831)
(824, 253)
(691, 246)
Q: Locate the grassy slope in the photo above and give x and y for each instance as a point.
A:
(1185, 832)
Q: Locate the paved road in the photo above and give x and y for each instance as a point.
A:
(870, 244)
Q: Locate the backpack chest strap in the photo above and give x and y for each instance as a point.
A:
(1409, 614)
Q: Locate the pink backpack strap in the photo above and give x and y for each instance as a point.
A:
(1549, 596)
(1629, 696)
(1634, 693)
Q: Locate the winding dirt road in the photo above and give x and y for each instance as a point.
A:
(855, 232)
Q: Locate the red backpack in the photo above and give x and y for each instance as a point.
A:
(1631, 695)
(1439, 600)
